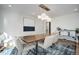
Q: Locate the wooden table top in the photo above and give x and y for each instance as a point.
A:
(33, 38)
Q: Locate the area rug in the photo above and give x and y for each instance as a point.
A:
(54, 50)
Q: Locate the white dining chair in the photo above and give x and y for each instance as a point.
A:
(26, 46)
(22, 46)
(49, 40)
(19, 46)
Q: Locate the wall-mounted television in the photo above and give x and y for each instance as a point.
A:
(28, 25)
(28, 28)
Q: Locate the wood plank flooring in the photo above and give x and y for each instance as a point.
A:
(68, 42)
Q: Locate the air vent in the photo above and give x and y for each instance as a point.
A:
(44, 7)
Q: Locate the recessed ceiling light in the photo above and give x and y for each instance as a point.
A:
(75, 9)
(9, 5)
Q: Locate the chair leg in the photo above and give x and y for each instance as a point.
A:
(52, 45)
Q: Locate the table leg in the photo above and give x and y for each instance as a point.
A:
(36, 48)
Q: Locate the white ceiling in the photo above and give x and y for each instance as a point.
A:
(34, 9)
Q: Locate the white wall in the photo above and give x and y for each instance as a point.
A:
(70, 21)
(13, 25)
(39, 26)
(1, 22)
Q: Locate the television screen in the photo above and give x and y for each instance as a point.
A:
(28, 28)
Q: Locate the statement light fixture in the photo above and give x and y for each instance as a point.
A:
(44, 17)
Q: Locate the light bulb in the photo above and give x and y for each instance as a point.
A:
(39, 17)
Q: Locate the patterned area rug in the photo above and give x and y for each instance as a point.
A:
(54, 50)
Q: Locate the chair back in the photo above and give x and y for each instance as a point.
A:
(19, 46)
(49, 40)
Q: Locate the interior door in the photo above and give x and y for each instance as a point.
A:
(48, 27)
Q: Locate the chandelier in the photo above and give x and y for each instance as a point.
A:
(44, 17)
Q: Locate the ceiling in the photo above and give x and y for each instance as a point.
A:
(34, 10)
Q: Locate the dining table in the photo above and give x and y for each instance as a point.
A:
(34, 38)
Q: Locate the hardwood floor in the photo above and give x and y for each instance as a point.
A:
(77, 48)
(68, 42)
